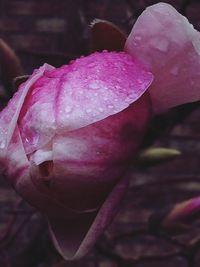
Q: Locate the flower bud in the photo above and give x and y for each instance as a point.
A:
(67, 138)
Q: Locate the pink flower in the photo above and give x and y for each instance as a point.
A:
(169, 46)
(68, 135)
(67, 138)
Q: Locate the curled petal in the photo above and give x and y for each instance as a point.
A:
(10, 115)
(168, 44)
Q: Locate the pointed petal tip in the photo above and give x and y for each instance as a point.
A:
(104, 35)
(73, 238)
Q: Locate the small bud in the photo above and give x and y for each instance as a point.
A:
(105, 35)
(157, 155)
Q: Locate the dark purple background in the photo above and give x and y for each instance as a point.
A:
(54, 32)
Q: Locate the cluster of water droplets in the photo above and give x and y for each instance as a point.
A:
(98, 86)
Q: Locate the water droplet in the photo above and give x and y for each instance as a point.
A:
(139, 81)
(68, 109)
(133, 96)
(92, 64)
(2, 145)
(100, 109)
(128, 100)
(174, 70)
(94, 85)
(110, 106)
(192, 83)
(160, 44)
(137, 37)
(129, 62)
(88, 110)
(27, 140)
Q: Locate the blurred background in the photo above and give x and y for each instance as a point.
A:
(55, 32)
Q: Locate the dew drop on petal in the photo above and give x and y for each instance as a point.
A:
(110, 106)
(100, 109)
(94, 85)
(91, 65)
(174, 70)
(138, 38)
(88, 110)
(68, 109)
(2, 145)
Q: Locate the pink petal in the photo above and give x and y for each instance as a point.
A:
(36, 130)
(181, 212)
(66, 160)
(97, 86)
(81, 194)
(10, 115)
(169, 46)
(76, 95)
(90, 162)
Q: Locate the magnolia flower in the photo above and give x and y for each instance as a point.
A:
(68, 135)
(67, 138)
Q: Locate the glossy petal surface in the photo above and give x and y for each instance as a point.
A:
(169, 46)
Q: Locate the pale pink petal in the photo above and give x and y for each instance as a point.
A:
(10, 115)
(169, 46)
(37, 117)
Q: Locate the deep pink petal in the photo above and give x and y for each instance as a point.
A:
(169, 46)
(97, 86)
